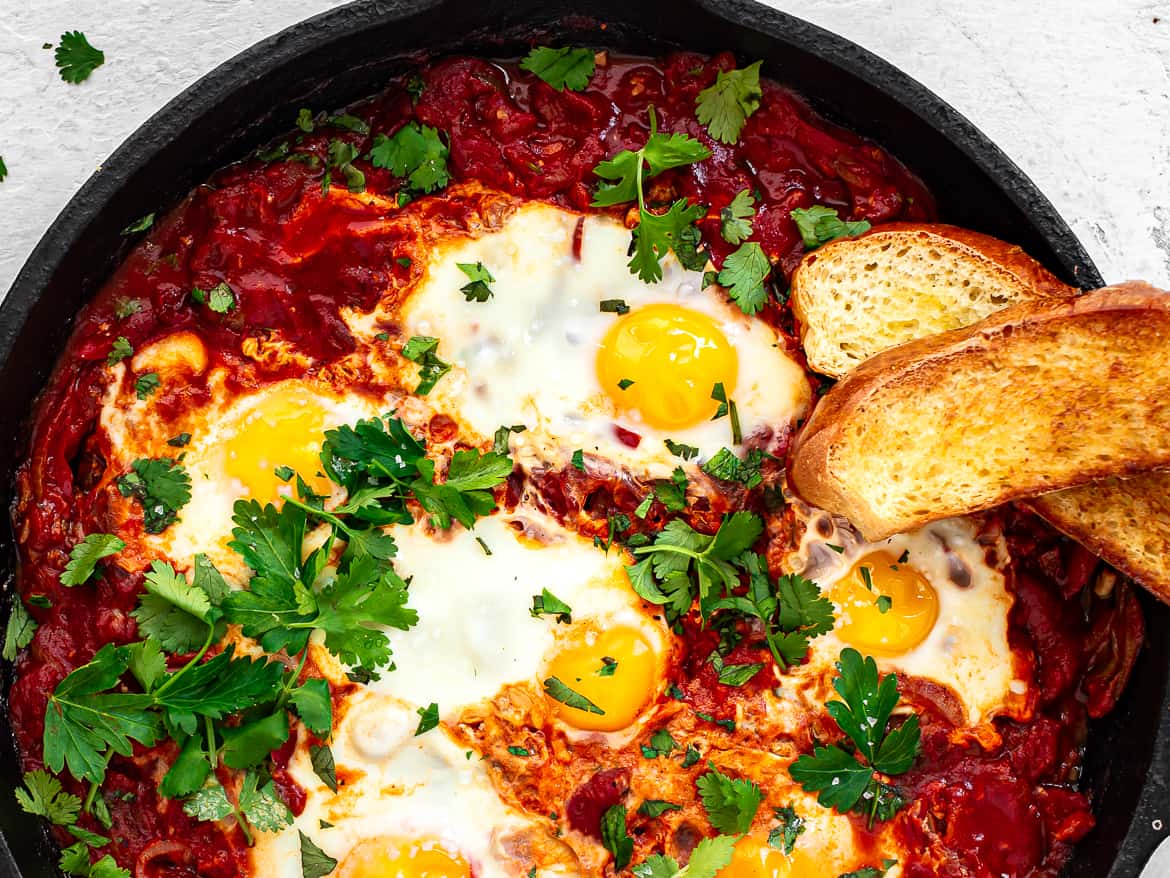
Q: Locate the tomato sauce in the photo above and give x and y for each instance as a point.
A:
(294, 258)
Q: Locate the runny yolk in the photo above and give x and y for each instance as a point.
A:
(877, 626)
(390, 858)
(674, 356)
(753, 858)
(615, 669)
(285, 429)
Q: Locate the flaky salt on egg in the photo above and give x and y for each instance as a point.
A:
(586, 356)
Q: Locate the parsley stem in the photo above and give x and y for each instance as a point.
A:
(194, 661)
(212, 750)
(287, 688)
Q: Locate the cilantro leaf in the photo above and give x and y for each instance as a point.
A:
(561, 68)
(84, 556)
(710, 856)
(477, 289)
(414, 152)
(19, 631)
(76, 59)
(315, 863)
(615, 837)
(220, 298)
(161, 486)
(819, 225)
(43, 796)
(548, 604)
(743, 273)
(725, 105)
(210, 803)
(421, 349)
(83, 719)
(173, 613)
(657, 807)
(735, 220)
(261, 806)
(673, 493)
(146, 385)
(731, 804)
(570, 697)
(341, 156)
(466, 492)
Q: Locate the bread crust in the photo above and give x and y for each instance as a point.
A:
(810, 467)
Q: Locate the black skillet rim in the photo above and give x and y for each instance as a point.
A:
(103, 201)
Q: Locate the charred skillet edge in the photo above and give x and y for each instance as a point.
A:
(142, 176)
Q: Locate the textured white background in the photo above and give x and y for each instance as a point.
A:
(1076, 91)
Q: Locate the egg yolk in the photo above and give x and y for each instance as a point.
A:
(674, 356)
(284, 429)
(616, 669)
(887, 608)
(753, 858)
(388, 858)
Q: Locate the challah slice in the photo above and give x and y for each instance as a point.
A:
(855, 297)
(1044, 395)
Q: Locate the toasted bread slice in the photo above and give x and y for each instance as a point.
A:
(1041, 396)
(856, 297)
(1124, 521)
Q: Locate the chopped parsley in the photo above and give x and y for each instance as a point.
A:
(119, 350)
(416, 153)
(734, 675)
(884, 602)
(672, 493)
(476, 289)
(728, 467)
(548, 604)
(124, 308)
(180, 440)
(324, 765)
(614, 306)
(608, 667)
(315, 863)
(341, 158)
(428, 718)
(76, 59)
(656, 233)
(558, 691)
(783, 837)
(662, 743)
(84, 556)
(521, 752)
(220, 298)
(657, 807)
(626, 383)
(141, 224)
(678, 449)
(615, 837)
(561, 68)
(146, 385)
(578, 459)
(725, 105)
(161, 486)
(3, 169)
(421, 349)
(819, 225)
(845, 778)
(500, 440)
(726, 407)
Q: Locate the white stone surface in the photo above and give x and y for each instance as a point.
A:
(1076, 91)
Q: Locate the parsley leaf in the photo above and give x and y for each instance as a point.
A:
(570, 697)
(220, 298)
(657, 807)
(819, 225)
(615, 837)
(466, 493)
(324, 766)
(561, 68)
(731, 804)
(315, 863)
(548, 604)
(261, 805)
(477, 289)
(725, 105)
(501, 439)
(662, 743)
(161, 486)
(174, 613)
(76, 59)
(19, 631)
(678, 449)
(735, 220)
(414, 152)
(743, 273)
(656, 233)
(421, 349)
(84, 556)
(313, 705)
(845, 780)
(728, 467)
(83, 720)
(428, 718)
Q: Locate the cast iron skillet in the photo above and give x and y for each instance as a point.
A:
(343, 55)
